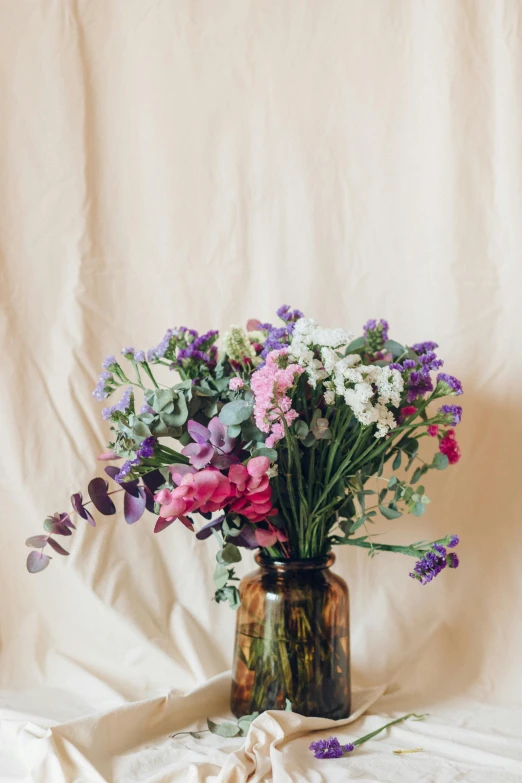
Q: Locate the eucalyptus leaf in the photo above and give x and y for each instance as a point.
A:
(223, 729)
(141, 429)
(220, 576)
(418, 509)
(301, 429)
(397, 461)
(389, 513)
(355, 345)
(265, 452)
(416, 475)
(230, 554)
(37, 561)
(395, 348)
(236, 412)
(440, 461)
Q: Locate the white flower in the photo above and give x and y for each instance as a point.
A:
(329, 396)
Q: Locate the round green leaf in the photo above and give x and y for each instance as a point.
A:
(236, 412)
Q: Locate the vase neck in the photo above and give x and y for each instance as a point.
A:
(287, 565)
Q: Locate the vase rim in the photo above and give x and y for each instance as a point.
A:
(308, 563)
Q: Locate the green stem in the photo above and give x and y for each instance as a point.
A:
(387, 725)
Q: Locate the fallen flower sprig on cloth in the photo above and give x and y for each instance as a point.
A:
(331, 748)
(409, 750)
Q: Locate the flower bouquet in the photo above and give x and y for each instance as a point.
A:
(288, 440)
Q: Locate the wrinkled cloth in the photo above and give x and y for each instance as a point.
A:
(188, 162)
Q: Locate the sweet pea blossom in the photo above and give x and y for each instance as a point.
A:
(245, 490)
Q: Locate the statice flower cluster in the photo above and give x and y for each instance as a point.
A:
(145, 451)
(289, 316)
(455, 411)
(375, 335)
(104, 387)
(120, 406)
(270, 385)
(330, 748)
(434, 561)
(277, 337)
(449, 446)
(449, 384)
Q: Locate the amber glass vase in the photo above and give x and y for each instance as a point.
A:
(292, 640)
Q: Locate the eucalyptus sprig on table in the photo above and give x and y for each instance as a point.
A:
(238, 728)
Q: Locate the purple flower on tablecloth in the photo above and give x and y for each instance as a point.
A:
(450, 384)
(330, 748)
(455, 411)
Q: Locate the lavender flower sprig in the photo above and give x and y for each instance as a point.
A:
(331, 748)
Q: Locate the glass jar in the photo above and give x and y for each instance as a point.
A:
(292, 640)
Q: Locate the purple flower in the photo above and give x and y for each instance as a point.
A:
(395, 366)
(330, 748)
(428, 567)
(409, 364)
(139, 357)
(161, 349)
(192, 354)
(108, 362)
(453, 384)
(453, 560)
(455, 411)
(128, 352)
(124, 472)
(121, 405)
(418, 384)
(146, 450)
(439, 549)
(420, 348)
(147, 409)
(454, 540)
(103, 388)
(430, 361)
(204, 342)
(289, 316)
(375, 335)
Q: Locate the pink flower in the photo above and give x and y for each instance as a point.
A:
(270, 385)
(408, 410)
(252, 489)
(433, 430)
(246, 490)
(236, 383)
(450, 447)
(108, 455)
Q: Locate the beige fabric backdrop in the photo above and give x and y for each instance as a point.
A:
(195, 162)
